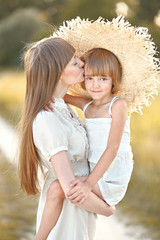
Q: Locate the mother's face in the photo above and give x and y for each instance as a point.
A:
(73, 72)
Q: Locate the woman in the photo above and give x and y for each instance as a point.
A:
(56, 141)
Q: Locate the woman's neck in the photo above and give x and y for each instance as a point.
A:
(60, 90)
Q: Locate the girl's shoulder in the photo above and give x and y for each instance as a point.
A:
(120, 102)
(119, 108)
(85, 101)
(87, 104)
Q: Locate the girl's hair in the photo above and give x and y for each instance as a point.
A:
(102, 62)
(44, 63)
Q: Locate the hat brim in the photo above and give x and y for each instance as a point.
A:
(133, 47)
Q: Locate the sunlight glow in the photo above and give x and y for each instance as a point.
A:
(157, 19)
(122, 9)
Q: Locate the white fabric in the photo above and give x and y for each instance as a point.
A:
(114, 182)
(109, 109)
(85, 107)
(54, 132)
(110, 106)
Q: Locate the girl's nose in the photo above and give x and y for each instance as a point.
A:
(95, 82)
(80, 63)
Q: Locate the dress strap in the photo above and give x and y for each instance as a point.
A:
(110, 106)
(85, 107)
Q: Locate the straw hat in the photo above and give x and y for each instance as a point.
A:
(133, 47)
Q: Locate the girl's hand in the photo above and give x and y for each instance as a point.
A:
(79, 191)
(49, 107)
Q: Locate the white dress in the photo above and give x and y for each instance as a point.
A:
(52, 133)
(113, 184)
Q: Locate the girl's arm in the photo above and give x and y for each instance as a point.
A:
(73, 100)
(119, 116)
(76, 101)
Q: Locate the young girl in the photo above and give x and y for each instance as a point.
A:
(108, 129)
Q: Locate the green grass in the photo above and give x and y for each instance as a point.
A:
(141, 202)
(18, 212)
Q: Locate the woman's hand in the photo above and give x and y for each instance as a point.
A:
(48, 107)
(79, 191)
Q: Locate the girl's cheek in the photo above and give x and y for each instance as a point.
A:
(86, 86)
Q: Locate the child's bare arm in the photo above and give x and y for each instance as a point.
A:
(73, 100)
(76, 101)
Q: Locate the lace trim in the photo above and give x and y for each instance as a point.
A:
(71, 115)
(59, 102)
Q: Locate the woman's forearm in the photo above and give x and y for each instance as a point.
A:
(63, 169)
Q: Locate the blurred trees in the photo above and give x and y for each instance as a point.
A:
(15, 31)
(51, 8)
(21, 27)
(90, 9)
(148, 9)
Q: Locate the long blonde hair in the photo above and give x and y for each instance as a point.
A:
(44, 63)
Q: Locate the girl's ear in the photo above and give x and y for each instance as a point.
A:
(112, 88)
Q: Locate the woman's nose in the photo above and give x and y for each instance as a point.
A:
(80, 63)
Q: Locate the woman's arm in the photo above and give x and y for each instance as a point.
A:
(63, 169)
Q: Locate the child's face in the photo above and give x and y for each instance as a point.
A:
(99, 87)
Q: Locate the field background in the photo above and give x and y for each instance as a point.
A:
(25, 21)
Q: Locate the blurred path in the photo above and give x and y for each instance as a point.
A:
(107, 228)
(8, 140)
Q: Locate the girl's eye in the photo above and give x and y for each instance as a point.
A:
(89, 78)
(103, 79)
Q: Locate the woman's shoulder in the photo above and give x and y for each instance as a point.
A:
(45, 118)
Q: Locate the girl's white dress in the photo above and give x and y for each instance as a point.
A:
(113, 184)
(52, 133)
